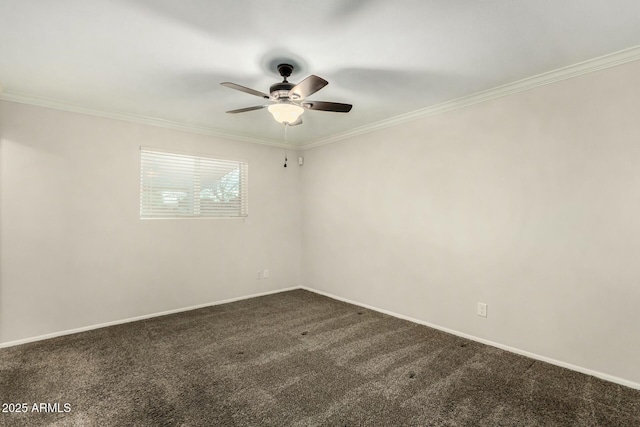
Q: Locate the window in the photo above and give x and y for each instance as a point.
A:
(176, 185)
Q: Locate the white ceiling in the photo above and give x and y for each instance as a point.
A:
(166, 58)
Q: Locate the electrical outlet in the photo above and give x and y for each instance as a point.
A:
(265, 274)
(482, 309)
(259, 275)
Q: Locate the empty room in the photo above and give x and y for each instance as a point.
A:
(320, 213)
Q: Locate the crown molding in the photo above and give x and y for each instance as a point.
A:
(137, 118)
(575, 70)
(589, 66)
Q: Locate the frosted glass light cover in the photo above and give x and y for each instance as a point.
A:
(285, 113)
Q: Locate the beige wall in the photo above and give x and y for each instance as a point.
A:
(529, 203)
(73, 251)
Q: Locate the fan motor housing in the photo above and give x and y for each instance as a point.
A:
(281, 90)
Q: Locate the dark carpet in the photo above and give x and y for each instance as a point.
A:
(294, 359)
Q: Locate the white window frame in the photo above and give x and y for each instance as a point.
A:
(213, 187)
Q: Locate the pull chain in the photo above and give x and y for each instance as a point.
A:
(286, 141)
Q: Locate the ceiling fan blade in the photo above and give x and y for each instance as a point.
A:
(244, 110)
(297, 122)
(245, 89)
(336, 107)
(307, 87)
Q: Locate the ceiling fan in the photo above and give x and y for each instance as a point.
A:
(289, 98)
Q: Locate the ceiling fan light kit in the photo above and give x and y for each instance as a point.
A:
(288, 97)
(285, 113)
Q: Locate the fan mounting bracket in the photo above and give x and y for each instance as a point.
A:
(285, 70)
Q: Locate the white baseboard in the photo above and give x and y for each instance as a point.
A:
(580, 369)
(134, 319)
(535, 356)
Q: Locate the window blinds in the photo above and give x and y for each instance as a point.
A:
(174, 185)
